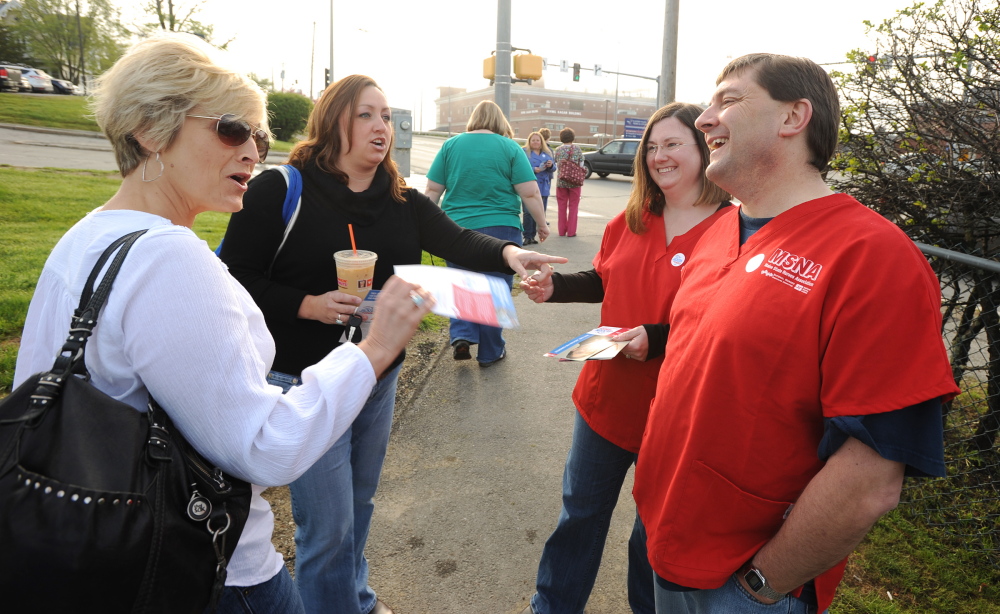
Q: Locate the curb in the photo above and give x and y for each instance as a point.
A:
(62, 131)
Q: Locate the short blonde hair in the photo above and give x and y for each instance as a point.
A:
(156, 83)
(488, 116)
(545, 146)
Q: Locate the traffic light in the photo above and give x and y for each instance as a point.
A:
(527, 66)
(871, 63)
(490, 67)
(326, 78)
(576, 71)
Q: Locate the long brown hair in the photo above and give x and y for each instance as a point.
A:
(645, 193)
(323, 143)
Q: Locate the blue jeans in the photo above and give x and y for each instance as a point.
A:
(276, 596)
(489, 338)
(332, 503)
(530, 226)
(592, 481)
(730, 598)
(283, 380)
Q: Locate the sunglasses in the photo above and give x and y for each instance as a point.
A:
(233, 131)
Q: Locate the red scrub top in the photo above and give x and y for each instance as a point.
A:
(829, 310)
(640, 273)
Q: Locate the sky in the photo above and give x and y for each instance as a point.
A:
(412, 47)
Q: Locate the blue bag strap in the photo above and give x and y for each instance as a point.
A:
(289, 208)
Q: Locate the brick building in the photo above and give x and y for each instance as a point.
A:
(533, 107)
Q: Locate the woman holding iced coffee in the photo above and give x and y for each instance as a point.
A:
(671, 205)
(348, 180)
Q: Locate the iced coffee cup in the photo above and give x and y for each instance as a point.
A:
(355, 271)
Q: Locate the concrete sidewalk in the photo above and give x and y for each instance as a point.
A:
(472, 481)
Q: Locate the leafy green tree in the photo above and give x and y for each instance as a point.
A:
(175, 16)
(71, 37)
(920, 143)
(288, 114)
(265, 84)
(12, 47)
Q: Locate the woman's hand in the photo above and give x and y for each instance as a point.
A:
(400, 306)
(522, 260)
(638, 347)
(538, 287)
(330, 308)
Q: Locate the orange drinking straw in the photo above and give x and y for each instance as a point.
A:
(354, 246)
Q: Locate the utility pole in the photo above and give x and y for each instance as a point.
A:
(331, 42)
(667, 90)
(312, 63)
(501, 92)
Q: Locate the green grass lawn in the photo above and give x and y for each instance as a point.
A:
(68, 112)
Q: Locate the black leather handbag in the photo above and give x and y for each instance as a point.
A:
(104, 508)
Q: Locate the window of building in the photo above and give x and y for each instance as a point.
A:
(594, 129)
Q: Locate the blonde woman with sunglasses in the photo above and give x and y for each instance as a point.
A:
(187, 133)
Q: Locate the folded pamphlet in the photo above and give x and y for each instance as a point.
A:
(592, 345)
(465, 295)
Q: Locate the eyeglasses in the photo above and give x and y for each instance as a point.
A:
(667, 147)
(234, 132)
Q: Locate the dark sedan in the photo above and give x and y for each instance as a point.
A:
(615, 157)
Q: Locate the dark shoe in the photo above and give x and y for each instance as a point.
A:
(503, 354)
(461, 350)
(381, 608)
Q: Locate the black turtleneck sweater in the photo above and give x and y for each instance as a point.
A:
(397, 232)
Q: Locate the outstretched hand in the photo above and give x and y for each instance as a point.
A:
(399, 306)
(522, 260)
(538, 286)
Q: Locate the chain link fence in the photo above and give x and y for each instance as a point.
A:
(965, 505)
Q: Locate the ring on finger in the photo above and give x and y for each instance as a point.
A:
(418, 300)
(338, 318)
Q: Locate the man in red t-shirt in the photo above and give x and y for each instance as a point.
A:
(804, 371)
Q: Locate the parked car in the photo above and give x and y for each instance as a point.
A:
(25, 84)
(61, 86)
(615, 157)
(10, 78)
(40, 81)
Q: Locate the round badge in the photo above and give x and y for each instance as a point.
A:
(198, 507)
(678, 259)
(754, 263)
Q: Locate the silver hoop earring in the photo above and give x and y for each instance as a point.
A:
(144, 180)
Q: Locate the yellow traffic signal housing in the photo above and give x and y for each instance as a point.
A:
(490, 67)
(527, 66)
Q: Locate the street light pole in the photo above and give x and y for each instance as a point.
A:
(606, 103)
(312, 63)
(501, 78)
(331, 41)
(666, 91)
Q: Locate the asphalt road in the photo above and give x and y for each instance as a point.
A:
(472, 480)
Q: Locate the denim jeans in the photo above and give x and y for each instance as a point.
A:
(283, 380)
(530, 226)
(489, 338)
(592, 482)
(276, 596)
(332, 503)
(730, 598)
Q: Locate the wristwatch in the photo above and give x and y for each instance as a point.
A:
(758, 583)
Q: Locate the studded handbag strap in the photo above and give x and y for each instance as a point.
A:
(70, 358)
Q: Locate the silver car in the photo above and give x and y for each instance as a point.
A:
(40, 81)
